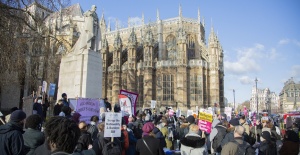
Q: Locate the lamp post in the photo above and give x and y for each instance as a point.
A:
(256, 97)
(233, 99)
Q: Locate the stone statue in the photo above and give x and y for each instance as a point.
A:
(91, 27)
(89, 30)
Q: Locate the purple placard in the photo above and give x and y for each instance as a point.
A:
(87, 108)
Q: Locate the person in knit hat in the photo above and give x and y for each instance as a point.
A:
(148, 144)
(11, 138)
(230, 131)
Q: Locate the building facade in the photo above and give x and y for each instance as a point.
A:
(168, 61)
(265, 99)
(289, 96)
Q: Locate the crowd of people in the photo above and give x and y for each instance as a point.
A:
(147, 133)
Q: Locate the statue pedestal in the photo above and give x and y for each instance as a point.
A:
(80, 75)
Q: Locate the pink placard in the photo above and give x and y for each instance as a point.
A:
(204, 126)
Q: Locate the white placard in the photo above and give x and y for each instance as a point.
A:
(1, 114)
(228, 111)
(153, 104)
(178, 113)
(113, 123)
(44, 87)
(189, 112)
(265, 118)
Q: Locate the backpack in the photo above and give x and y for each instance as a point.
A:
(244, 149)
(111, 148)
(92, 129)
(216, 144)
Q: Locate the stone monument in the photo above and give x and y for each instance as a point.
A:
(80, 73)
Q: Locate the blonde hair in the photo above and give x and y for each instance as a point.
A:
(193, 128)
(101, 127)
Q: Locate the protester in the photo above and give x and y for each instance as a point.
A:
(92, 127)
(125, 140)
(230, 131)
(216, 136)
(65, 99)
(37, 107)
(57, 108)
(62, 135)
(165, 133)
(75, 117)
(107, 105)
(237, 145)
(33, 137)
(132, 142)
(266, 147)
(184, 128)
(11, 138)
(148, 145)
(244, 123)
(290, 144)
(7, 117)
(103, 145)
(85, 141)
(159, 135)
(192, 143)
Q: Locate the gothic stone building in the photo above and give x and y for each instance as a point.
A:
(168, 61)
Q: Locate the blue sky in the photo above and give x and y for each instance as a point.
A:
(259, 38)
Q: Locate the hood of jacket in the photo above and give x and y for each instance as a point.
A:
(184, 125)
(10, 126)
(193, 140)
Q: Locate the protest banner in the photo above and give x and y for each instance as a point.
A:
(113, 123)
(153, 104)
(87, 108)
(228, 111)
(133, 98)
(205, 119)
(125, 104)
(52, 89)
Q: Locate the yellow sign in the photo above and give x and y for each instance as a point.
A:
(205, 116)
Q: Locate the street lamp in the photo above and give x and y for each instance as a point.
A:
(256, 97)
(233, 100)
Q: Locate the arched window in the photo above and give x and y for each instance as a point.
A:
(171, 47)
(191, 47)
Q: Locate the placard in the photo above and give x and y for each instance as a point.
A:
(113, 123)
(189, 112)
(133, 98)
(87, 108)
(153, 104)
(125, 105)
(205, 119)
(228, 111)
(44, 87)
(52, 89)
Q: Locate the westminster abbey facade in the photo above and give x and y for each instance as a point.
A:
(168, 61)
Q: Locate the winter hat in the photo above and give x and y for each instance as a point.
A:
(63, 95)
(191, 119)
(147, 128)
(234, 122)
(266, 135)
(17, 116)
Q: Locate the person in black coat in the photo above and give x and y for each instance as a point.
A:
(85, 139)
(266, 147)
(57, 108)
(11, 138)
(149, 145)
(160, 136)
(33, 137)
